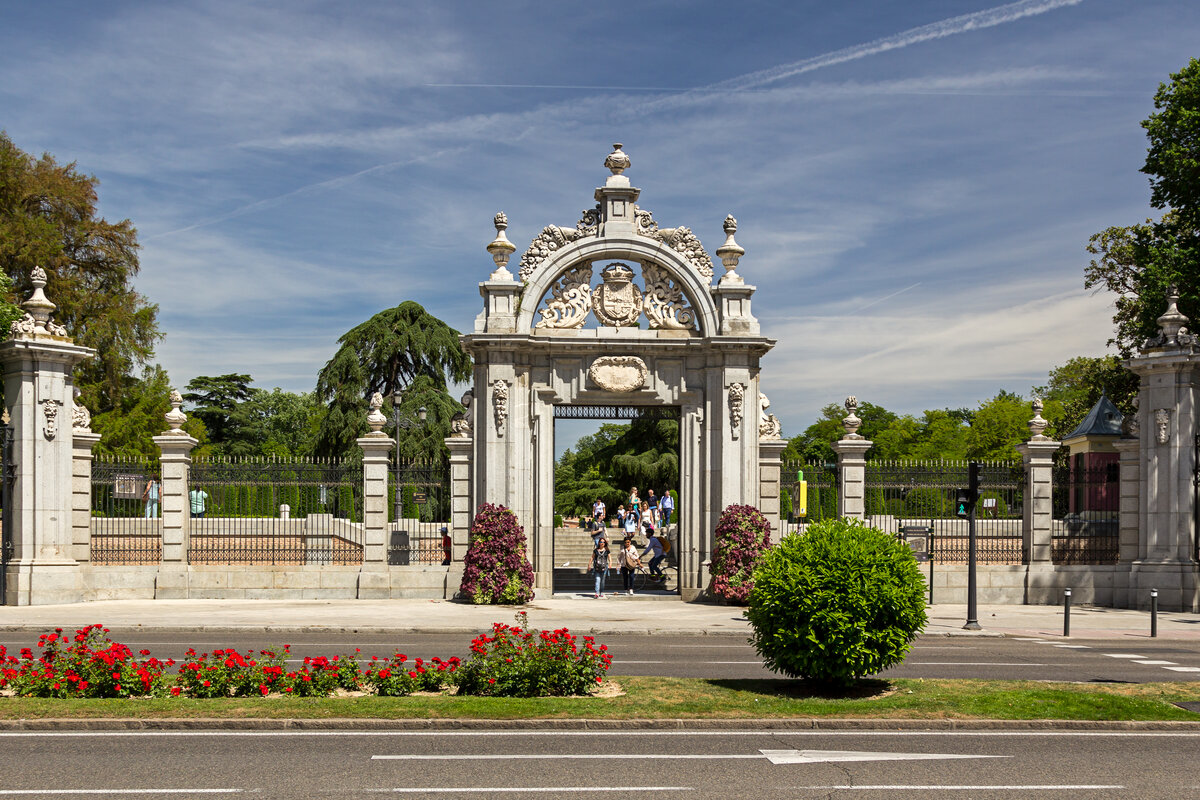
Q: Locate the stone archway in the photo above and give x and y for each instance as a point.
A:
(700, 352)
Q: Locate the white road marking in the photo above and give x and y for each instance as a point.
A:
(1183, 669)
(1123, 655)
(774, 756)
(930, 787)
(1152, 662)
(1074, 646)
(838, 756)
(508, 733)
(106, 792)
(466, 790)
(982, 664)
(1026, 639)
(759, 662)
(623, 661)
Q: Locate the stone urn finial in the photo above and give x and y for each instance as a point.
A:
(175, 418)
(617, 161)
(1037, 425)
(375, 418)
(851, 422)
(1171, 323)
(501, 249)
(730, 252)
(38, 309)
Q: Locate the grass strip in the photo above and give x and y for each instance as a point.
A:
(686, 698)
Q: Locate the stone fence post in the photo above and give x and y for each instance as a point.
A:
(770, 467)
(851, 452)
(1038, 506)
(175, 458)
(376, 447)
(1130, 504)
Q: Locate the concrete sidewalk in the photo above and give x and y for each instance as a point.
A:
(581, 615)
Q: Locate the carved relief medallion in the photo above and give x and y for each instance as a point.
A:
(617, 302)
(737, 401)
(500, 404)
(50, 409)
(618, 373)
(1162, 425)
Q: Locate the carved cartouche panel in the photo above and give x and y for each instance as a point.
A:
(619, 373)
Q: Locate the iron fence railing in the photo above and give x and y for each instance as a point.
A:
(901, 494)
(423, 511)
(272, 512)
(1086, 510)
(126, 509)
(820, 500)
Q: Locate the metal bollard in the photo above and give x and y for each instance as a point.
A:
(1066, 612)
(1153, 613)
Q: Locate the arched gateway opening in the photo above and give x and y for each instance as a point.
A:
(664, 337)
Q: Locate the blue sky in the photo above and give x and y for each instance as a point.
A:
(914, 182)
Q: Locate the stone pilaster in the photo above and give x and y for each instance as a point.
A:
(460, 509)
(770, 465)
(852, 475)
(37, 363)
(1038, 507)
(175, 459)
(376, 453)
(82, 442)
(1130, 503)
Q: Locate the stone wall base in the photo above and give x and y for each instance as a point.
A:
(42, 583)
(1118, 586)
(234, 582)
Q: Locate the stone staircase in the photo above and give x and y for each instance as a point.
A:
(573, 551)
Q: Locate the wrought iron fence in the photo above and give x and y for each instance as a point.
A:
(423, 511)
(1087, 501)
(900, 494)
(126, 523)
(820, 498)
(271, 512)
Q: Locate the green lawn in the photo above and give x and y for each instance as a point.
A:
(684, 698)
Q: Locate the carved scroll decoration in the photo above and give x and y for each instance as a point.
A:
(571, 300)
(500, 404)
(50, 410)
(619, 373)
(460, 426)
(663, 302)
(680, 239)
(737, 402)
(554, 237)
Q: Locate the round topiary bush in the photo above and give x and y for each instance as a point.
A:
(742, 535)
(495, 569)
(836, 603)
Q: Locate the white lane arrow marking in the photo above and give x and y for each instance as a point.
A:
(829, 756)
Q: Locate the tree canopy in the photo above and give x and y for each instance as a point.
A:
(1139, 262)
(404, 347)
(48, 218)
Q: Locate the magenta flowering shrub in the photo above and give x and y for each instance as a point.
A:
(496, 569)
(743, 535)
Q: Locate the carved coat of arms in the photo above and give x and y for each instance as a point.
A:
(617, 302)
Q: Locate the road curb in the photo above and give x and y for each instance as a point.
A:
(621, 725)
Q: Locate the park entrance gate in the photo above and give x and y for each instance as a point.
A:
(664, 336)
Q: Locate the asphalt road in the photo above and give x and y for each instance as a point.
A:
(693, 764)
(732, 657)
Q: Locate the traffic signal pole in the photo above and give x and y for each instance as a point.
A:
(973, 497)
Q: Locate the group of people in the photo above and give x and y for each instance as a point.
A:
(197, 499)
(650, 516)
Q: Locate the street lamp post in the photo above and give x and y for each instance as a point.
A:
(402, 423)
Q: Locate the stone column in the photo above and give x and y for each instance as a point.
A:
(770, 465)
(82, 442)
(851, 452)
(1168, 416)
(374, 582)
(175, 458)
(1129, 448)
(1038, 511)
(37, 363)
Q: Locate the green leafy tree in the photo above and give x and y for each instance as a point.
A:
(126, 430)
(816, 443)
(398, 348)
(48, 218)
(1077, 385)
(646, 455)
(216, 400)
(1139, 262)
(999, 426)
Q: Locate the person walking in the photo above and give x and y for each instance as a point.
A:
(150, 497)
(652, 507)
(665, 507)
(601, 564)
(198, 499)
(621, 517)
(597, 521)
(629, 561)
(635, 502)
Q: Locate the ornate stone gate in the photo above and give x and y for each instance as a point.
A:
(698, 350)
